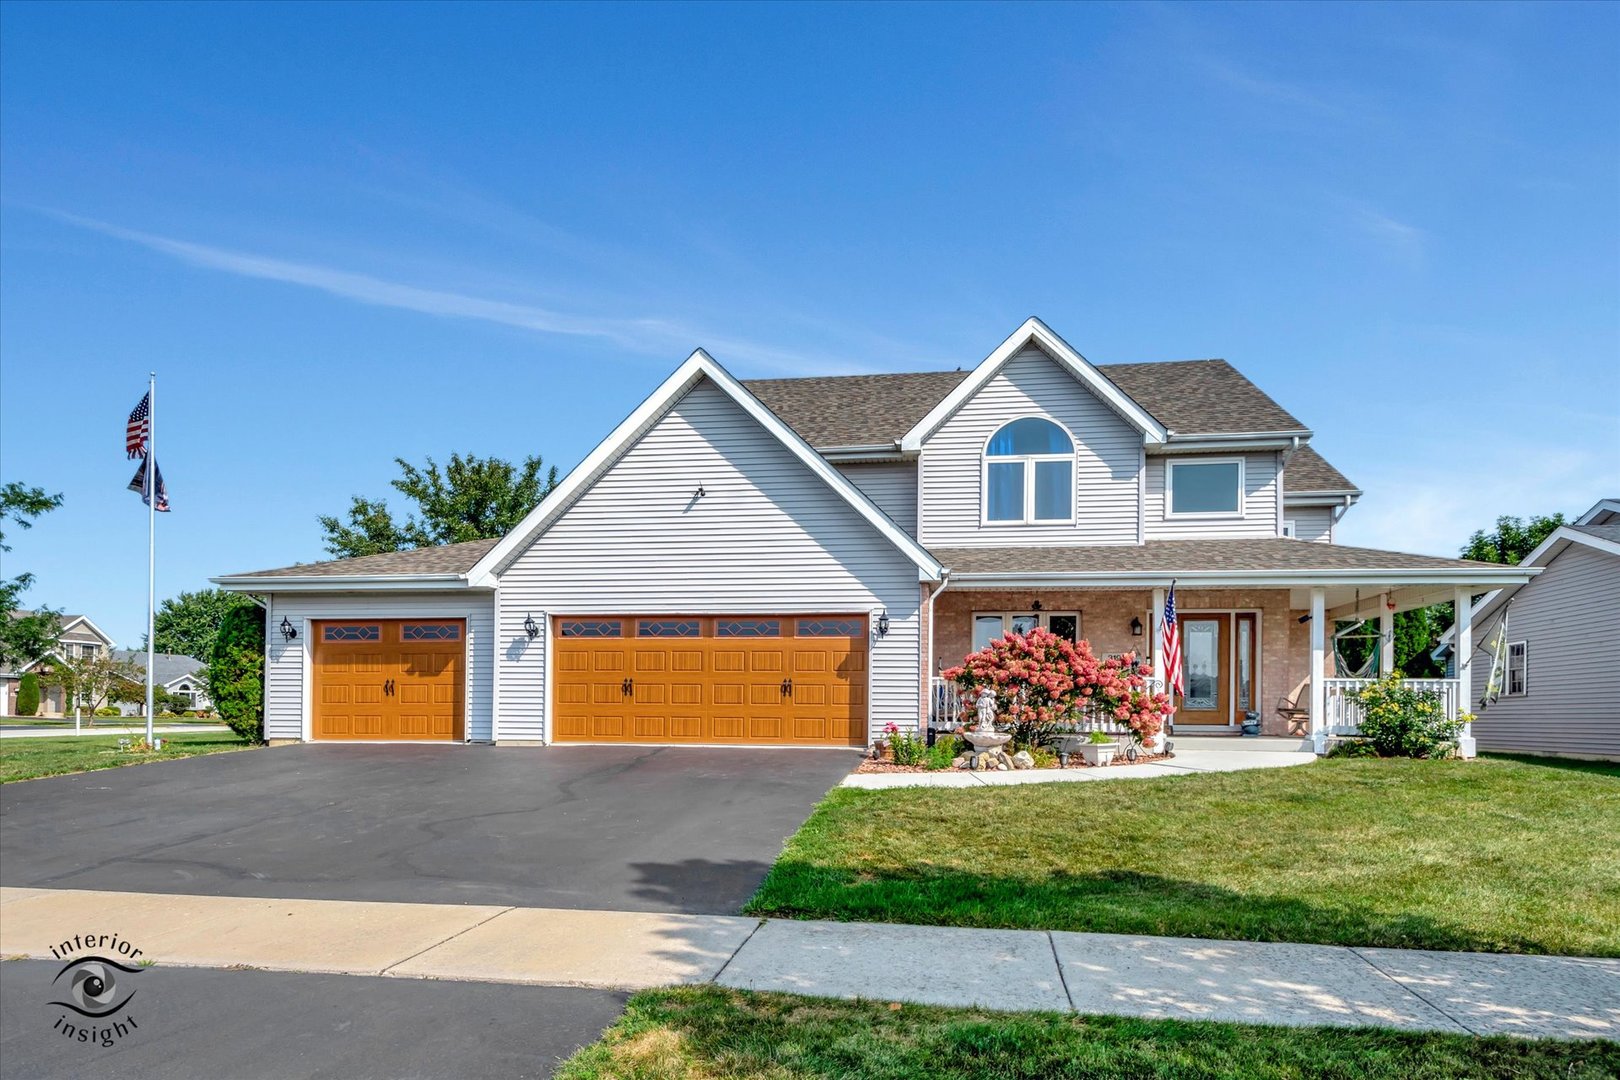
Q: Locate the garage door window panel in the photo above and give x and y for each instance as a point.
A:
(593, 628)
(339, 633)
(665, 628)
(748, 628)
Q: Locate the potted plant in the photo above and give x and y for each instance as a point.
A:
(1098, 749)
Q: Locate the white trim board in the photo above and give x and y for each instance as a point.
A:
(1033, 330)
(698, 366)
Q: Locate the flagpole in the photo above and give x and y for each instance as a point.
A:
(151, 549)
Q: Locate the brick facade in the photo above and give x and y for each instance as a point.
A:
(1105, 621)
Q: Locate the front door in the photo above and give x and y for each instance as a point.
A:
(1207, 671)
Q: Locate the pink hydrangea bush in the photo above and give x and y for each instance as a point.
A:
(1042, 681)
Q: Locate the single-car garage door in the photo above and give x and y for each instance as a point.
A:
(390, 679)
(767, 679)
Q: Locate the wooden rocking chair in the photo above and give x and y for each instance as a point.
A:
(1296, 709)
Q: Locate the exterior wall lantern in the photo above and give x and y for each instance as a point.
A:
(883, 623)
(1136, 627)
(531, 627)
(288, 630)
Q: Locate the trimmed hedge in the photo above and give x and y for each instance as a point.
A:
(236, 672)
(28, 695)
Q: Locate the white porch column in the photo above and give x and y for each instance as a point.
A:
(1386, 636)
(1155, 617)
(1462, 646)
(1318, 670)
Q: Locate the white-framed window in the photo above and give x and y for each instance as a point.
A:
(1291, 529)
(1204, 487)
(1029, 474)
(1518, 668)
(989, 625)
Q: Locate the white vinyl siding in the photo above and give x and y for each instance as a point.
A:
(1259, 517)
(1108, 458)
(1311, 522)
(892, 485)
(768, 537)
(1569, 619)
(288, 686)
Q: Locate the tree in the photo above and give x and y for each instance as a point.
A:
(24, 636)
(1511, 540)
(473, 498)
(94, 681)
(187, 624)
(236, 672)
(28, 695)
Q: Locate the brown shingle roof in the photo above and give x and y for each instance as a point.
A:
(1190, 556)
(443, 559)
(1201, 397)
(1309, 471)
(1187, 396)
(855, 410)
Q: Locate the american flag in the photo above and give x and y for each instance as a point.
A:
(139, 429)
(1170, 645)
(139, 485)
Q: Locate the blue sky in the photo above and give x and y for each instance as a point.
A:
(341, 234)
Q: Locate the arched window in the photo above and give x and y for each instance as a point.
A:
(1029, 473)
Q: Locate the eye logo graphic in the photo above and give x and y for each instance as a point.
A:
(94, 987)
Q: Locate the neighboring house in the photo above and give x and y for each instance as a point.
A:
(174, 672)
(78, 639)
(1561, 688)
(792, 561)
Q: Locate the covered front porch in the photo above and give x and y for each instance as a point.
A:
(1257, 641)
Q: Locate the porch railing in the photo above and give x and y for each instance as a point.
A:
(947, 708)
(1344, 711)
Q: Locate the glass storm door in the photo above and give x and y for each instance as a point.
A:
(1208, 676)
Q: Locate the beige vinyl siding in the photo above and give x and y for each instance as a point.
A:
(1311, 522)
(892, 485)
(1569, 616)
(769, 536)
(1259, 516)
(287, 683)
(1108, 460)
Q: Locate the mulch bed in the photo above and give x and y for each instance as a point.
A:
(867, 765)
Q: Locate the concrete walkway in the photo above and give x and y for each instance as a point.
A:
(1252, 982)
(103, 726)
(1182, 763)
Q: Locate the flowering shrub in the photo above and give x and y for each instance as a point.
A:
(905, 747)
(1398, 721)
(1042, 681)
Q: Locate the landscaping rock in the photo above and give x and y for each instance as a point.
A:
(961, 761)
(1023, 760)
(1004, 767)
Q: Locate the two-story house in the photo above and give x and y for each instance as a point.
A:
(792, 561)
(76, 639)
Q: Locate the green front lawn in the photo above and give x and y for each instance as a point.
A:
(712, 1033)
(1494, 855)
(28, 759)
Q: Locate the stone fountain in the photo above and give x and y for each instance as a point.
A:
(985, 739)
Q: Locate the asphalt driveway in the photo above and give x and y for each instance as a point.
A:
(630, 828)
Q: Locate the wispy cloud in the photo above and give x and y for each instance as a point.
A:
(648, 336)
(1399, 238)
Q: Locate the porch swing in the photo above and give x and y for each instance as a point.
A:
(1342, 666)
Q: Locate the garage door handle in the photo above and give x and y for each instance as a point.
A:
(787, 687)
(627, 687)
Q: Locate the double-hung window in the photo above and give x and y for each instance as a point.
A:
(1518, 668)
(1029, 474)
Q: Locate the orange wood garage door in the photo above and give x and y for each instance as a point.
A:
(390, 679)
(768, 679)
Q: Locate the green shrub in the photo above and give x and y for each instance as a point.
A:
(905, 747)
(1401, 722)
(28, 695)
(942, 753)
(1353, 748)
(108, 710)
(236, 672)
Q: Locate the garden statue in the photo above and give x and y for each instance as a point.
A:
(986, 706)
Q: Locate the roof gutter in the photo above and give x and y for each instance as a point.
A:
(1461, 576)
(342, 583)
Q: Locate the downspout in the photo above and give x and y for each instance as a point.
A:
(944, 583)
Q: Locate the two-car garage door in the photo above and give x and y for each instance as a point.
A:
(768, 679)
